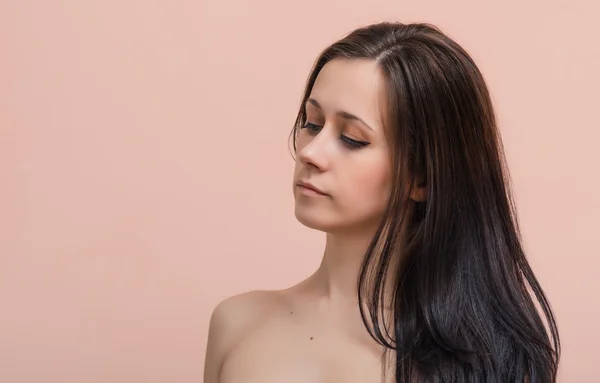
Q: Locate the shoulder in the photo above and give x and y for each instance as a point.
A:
(231, 318)
(238, 311)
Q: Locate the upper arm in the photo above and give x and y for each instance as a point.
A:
(218, 341)
(227, 322)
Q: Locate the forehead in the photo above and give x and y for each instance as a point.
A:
(354, 86)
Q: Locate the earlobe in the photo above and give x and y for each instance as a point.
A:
(419, 192)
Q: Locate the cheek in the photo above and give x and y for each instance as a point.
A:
(370, 184)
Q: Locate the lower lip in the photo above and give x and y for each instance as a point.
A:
(310, 192)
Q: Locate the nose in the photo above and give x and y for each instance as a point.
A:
(315, 152)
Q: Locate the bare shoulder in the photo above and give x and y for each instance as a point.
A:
(234, 314)
(229, 321)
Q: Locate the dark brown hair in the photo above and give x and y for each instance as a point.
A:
(463, 295)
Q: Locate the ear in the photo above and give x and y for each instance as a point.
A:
(419, 192)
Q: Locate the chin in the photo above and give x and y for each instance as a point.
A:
(328, 222)
(316, 220)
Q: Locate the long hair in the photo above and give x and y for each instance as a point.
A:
(451, 269)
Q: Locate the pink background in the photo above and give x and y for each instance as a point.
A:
(145, 172)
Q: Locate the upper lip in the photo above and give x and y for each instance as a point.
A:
(310, 186)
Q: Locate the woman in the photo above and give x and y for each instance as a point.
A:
(423, 278)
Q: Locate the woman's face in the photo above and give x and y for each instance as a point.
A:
(342, 150)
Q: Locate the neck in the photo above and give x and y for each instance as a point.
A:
(336, 278)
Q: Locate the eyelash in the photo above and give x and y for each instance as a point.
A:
(352, 144)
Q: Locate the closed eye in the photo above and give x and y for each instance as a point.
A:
(349, 142)
(312, 127)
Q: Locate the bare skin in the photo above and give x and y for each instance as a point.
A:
(289, 336)
(312, 332)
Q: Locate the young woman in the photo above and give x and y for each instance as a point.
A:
(423, 279)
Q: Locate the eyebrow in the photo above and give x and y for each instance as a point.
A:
(341, 113)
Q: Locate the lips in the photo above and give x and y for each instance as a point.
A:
(310, 186)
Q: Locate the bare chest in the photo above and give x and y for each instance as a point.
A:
(283, 351)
